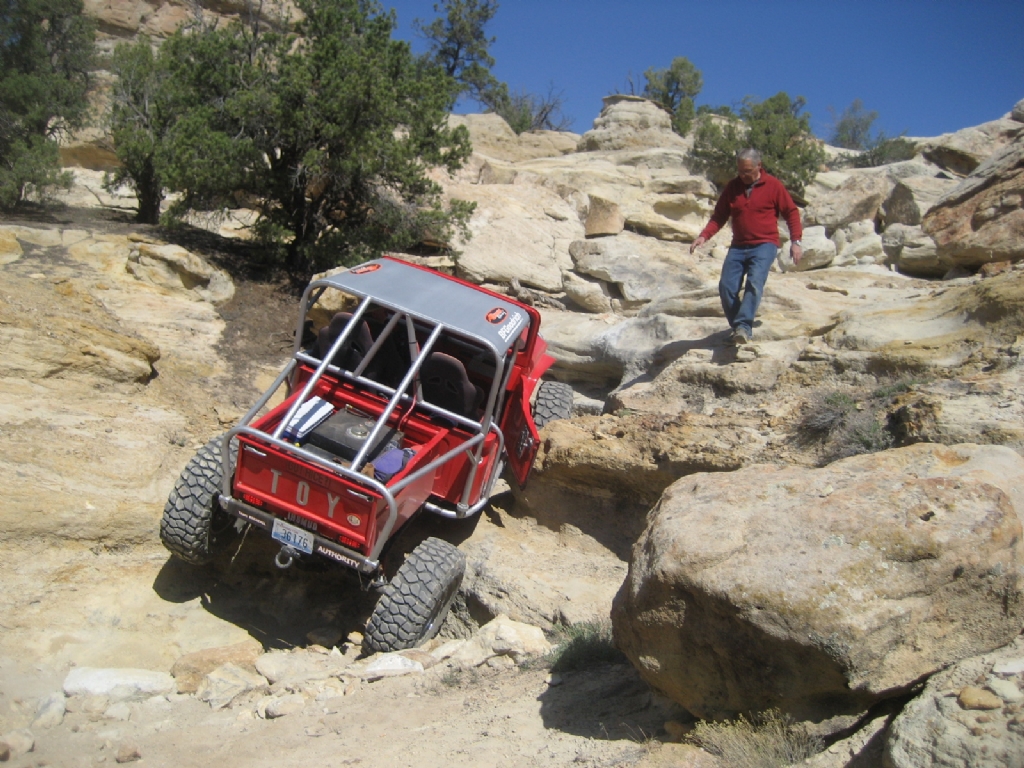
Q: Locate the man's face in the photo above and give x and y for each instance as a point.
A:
(748, 171)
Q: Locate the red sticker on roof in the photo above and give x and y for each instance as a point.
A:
(496, 315)
(364, 269)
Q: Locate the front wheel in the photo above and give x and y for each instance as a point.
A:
(554, 401)
(194, 527)
(416, 602)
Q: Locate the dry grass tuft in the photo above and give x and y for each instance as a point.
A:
(768, 740)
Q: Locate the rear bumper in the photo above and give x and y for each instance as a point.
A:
(321, 546)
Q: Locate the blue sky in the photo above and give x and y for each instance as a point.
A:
(926, 67)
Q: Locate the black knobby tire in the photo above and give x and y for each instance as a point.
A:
(416, 602)
(554, 401)
(194, 527)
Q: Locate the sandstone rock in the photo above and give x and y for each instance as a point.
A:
(857, 198)
(128, 753)
(19, 742)
(501, 638)
(849, 597)
(1005, 690)
(288, 704)
(1009, 667)
(298, 665)
(589, 295)
(390, 665)
(505, 637)
(10, 248)
(117, 684)
(603, 218)
(515, 235)
(50, 712)
(39, 346)
(655, 193)
(863, 250)
(35, 235)
(603, 349)
(819, 251)
(677, 218)
(935, 729)
(189, 670)
(935, 330)
(912, 198)
(963, 151)
(492, 137)
(626, 262)
(971, 697)
(227, 682)
(119, 711)
(982, 219)
(913, 252)
(629, 122)
(863, 748)
(1017, 113)
(850, 233)
(174, 268)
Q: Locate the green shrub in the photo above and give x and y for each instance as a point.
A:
(46, 56)
(675, 89)
(775, 127)
(883, 151)
(769, 740)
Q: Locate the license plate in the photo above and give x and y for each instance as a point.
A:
(292, 536)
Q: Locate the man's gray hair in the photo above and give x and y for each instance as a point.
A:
(749, 154)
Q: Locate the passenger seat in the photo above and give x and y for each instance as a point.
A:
(446, 385)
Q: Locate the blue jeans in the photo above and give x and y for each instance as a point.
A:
(752, 262)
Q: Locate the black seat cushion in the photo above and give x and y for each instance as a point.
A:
(445, 384)
(353, 350)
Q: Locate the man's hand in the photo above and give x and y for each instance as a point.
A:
(796, 252)
(697, 244)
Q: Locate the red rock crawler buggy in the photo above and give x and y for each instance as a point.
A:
(414, 400)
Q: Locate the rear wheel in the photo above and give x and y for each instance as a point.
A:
(414, 605)
(194, 527)
(554, 401)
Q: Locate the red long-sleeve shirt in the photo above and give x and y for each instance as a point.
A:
(755, 219)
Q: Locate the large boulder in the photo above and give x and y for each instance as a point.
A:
(637, 272)
(822, 592)
(913, 197)
(654, 191)
(963, 151)
(175, 268)
(629, 122)
(913, 252)
(857, 197)
(819, 251)
(519, 231)
(492, 137)
(981, 220)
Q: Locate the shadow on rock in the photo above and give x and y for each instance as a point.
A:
(722, 350)
(607, 702)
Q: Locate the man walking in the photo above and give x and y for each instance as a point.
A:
(755, 200)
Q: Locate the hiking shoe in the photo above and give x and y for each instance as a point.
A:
(740, 336)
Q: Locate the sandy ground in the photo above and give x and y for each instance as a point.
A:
(70, 607)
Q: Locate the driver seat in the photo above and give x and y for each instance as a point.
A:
(353, 351)
(446, 385)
